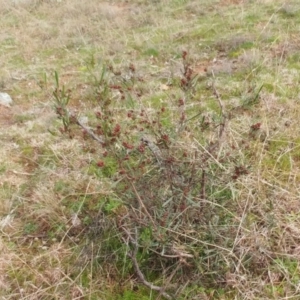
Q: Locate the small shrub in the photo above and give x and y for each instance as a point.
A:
(172, 201)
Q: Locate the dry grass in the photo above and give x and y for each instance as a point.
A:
(58, 213)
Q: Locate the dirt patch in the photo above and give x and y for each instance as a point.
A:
(230, 2)
(286, 49)
(6, 116)
(225, 65)
(113, 10)
(232, 43)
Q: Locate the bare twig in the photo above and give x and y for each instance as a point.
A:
(142, 205)
(186, 236)
(88, 131)
(202, 191)
(136, 266)
(217, 94)
(209, 153)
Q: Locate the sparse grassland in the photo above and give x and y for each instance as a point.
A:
(152, 151)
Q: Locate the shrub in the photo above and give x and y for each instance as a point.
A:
(171, 218)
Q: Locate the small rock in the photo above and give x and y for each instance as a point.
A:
(5, 99)
(83, 120)
(75, 220)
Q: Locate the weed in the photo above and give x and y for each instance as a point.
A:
(159, 193)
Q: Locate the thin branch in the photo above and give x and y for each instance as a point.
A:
(202, 190)
(142, 205)
(137, 267)
(89, 132)
(200, 241)
(217, 94)
(208, 153)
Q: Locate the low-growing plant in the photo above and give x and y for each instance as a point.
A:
(172, 203)
(61, 99)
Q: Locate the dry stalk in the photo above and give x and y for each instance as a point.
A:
(202, 190)
(141, 276)
(142, 205)
(216, 145)
(88, 131)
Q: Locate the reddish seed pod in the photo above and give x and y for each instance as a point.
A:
(99, 130)
(127, 146)
(183, 82)
(165, 137)
(170, 160)
(132, 67)
(182, 117)
(141, 148)
(255, 126)
(115, 86)
(100, 164)
(117, 130)
(180, 102)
